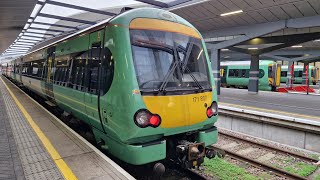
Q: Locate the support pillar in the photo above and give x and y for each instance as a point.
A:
(290, 77)
(253, 86)
(304, 73)
(215, 65)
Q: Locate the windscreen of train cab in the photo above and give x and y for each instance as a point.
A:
(160, 47)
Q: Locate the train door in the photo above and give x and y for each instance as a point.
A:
(274, 74)
(49, 73)
(278, 75)
(271, 74)
(223, 75)
(92, 94)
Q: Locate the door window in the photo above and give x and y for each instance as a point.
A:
(94, 68)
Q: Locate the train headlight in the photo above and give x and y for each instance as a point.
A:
(212, 110)
(144, 118)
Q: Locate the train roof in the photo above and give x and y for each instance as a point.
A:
(245, 63)
(125, 19)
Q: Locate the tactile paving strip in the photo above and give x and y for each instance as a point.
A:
(10, 164)
(35, 160)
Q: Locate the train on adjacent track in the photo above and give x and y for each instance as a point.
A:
(313, 74)
(141, 80)
(236, 74)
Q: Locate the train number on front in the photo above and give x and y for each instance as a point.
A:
(199, 98)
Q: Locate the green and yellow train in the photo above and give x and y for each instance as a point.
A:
(313, 73)
(142, 80)
(236, 74)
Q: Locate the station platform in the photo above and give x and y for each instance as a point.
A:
(34, 144)
(288, 119)
(294, 105)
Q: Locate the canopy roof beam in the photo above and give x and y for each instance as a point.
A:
(55, 25)
(66, 18)
(32, 36)
(163, 4)
(40, 33)
(43, 29)
(77, 7)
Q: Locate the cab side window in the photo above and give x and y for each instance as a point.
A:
(107, 71)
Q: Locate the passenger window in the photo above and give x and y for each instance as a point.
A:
(77, 72)
(107, 71)
(243, 73)
(283, 73)
(25, 68)
(36, 68)
(247, 73)
(231, 73)
(62, 72)
(236, 73)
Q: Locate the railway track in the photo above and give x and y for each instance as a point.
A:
(244, 150)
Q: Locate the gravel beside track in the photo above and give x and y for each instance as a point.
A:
(265, 157)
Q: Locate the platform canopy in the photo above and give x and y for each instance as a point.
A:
(27, 23)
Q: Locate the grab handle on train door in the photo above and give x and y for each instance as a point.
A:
(105, 116)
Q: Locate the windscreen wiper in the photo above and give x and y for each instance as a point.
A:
(167, 76)
(148, 44)
(170, 72)
(194, 79)
(186, 56)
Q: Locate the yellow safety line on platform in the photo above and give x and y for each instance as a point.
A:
(63, 167)
(269, 110)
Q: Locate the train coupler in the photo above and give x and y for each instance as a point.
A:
(190, 154)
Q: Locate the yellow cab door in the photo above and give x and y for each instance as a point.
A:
(278, 75)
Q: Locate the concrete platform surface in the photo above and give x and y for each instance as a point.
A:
(294, 105)
(36, 145)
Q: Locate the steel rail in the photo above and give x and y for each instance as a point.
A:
(271, 148)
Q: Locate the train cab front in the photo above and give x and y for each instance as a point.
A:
(176, 87)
